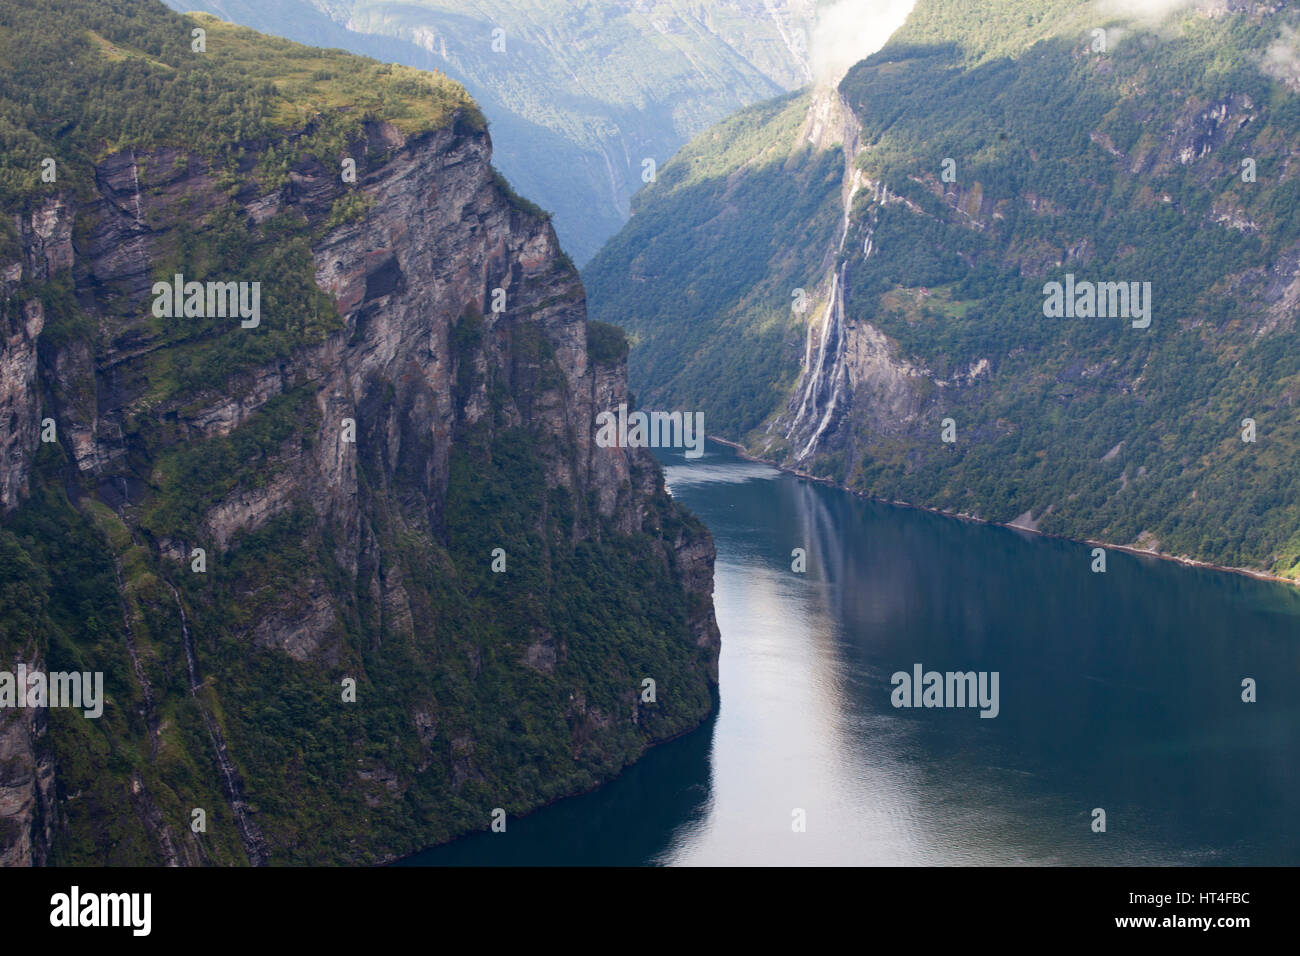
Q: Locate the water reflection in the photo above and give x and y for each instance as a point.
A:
(1118, 690)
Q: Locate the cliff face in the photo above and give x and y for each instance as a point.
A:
(349, 496)
(26, 787)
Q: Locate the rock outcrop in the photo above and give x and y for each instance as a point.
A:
(459, 343)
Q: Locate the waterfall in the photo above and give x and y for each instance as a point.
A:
(252, 840)
(135, 178)
(814, 380)
(150, 719)
(837, 375)
(823, 390)
(829, 366)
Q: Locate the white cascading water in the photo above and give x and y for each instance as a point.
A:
(837, 374)
(252, 841)
(829, 366)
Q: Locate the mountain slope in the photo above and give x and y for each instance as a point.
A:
(999, 152)
(579, 94)
(355, 574)
(756, 202)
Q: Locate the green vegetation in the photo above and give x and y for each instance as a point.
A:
(474, 689)
(702, 275)
(59, 599)
(1061, 123)
(606, 344)
(993, 31)
(1122, 165)
(96, 79)
(191, 477)
(87, 82)
(526, 206)
(581, 94)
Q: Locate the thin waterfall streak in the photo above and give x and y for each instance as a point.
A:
(252, 841)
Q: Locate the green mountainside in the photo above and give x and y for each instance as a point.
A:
(754, 203)
(995, 150)
(385, 488)
(580, 94)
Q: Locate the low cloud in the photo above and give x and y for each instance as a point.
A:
(849, 30)
(1282, 58)
(1142, 10)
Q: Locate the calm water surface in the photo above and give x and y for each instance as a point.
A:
(1119, 690)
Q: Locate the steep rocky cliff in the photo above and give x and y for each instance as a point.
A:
(356, 575)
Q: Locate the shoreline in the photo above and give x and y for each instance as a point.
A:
(962, 516)
(715, 705)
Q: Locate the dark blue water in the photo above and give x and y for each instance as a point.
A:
(1120, 691)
